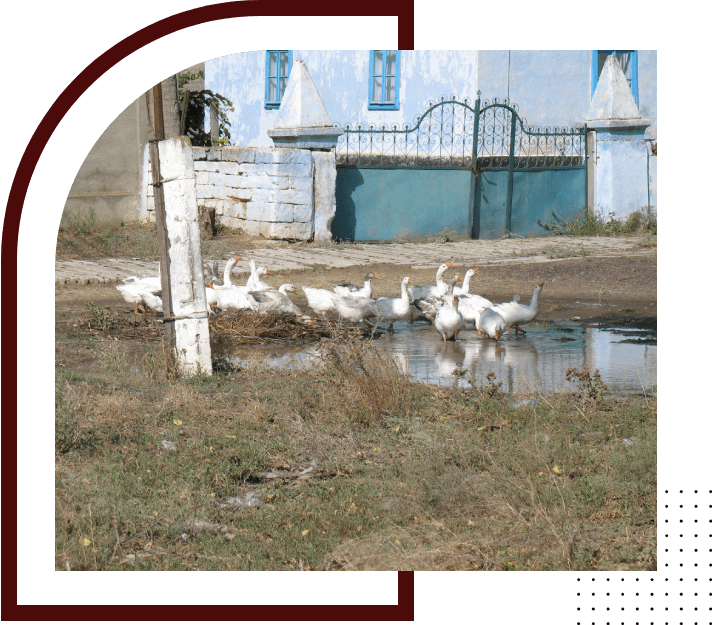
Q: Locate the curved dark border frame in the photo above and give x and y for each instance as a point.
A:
(404, 609)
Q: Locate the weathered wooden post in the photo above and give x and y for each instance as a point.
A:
(156, 134)
(185, 309)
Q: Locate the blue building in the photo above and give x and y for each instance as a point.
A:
(550, 92)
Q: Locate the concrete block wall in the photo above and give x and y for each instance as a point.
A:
(266, 191)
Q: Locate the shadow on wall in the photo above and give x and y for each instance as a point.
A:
(344, 225)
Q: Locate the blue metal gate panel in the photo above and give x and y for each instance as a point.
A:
(538, 193)
(535, 195)
(384, 204)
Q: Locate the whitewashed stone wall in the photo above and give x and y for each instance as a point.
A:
(266, 191)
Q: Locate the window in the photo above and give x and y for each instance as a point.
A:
(628, 60)
(384, 80)
(277, 68)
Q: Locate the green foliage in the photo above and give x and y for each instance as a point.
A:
(199, 105)
(643, 221)
(100, 318)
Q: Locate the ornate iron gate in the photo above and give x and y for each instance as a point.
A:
(449, 149)
(505, 143)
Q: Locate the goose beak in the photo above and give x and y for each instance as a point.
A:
(236, 258)
(496, 335)
(269, 273)
(448, 265)
(377, 277)
(541, 285)
(475, 270)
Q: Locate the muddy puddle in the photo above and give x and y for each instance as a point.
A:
(626, 357)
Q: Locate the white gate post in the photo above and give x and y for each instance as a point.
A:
(620, 182)
(190, 309)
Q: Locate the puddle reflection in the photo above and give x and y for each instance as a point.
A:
(625, 357)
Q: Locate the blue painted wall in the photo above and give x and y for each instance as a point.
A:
(385, 204)
(551, 87)
(341, 78)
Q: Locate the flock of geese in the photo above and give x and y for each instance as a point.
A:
(445, 305)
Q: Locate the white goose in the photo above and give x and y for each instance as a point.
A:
(152, 300)
(471, 306)
(395, 308)
(320, 301)
(227, 281)
(254, 283)
(440, 288)
(139, 292)
(352, 290)
(491, 324)
(235, 298)
(465, 288)
(211, 296)
(153, 282)
(277, 301)
(516, 314)
(354, 309)
(430, 305)
(448, 320)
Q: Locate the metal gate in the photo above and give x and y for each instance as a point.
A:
(526, 177)
(435, 178)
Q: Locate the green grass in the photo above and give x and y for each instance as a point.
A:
(408, 476)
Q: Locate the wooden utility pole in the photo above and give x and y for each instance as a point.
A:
(156, 134)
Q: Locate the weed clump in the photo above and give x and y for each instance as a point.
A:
(380, 386)
(643, 221)
(591, 386)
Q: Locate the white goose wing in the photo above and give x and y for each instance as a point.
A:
(320, 301)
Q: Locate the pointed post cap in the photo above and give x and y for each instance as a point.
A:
(302, 120)
(613, 104)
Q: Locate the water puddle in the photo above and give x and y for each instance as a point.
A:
(625, 357)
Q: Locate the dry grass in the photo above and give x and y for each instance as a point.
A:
(237, 327)
(355, 466)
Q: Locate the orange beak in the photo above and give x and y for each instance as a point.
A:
(496, 335)
(236, 258)
(475, 270)
(377, 277)
(269, 273)
(448, 265)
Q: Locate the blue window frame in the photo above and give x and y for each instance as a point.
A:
(277, 68)
(384, 80)
(629, 64)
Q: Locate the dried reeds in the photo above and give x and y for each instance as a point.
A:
(380, 385)
(238, 327)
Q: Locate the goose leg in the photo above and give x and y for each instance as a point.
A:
(135, 308)
(390, 327)
(517, 330)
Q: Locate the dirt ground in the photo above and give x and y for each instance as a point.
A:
(623, 289)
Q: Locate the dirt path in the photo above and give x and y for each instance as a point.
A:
(589, 287)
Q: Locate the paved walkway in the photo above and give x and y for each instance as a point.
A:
(417, 255)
